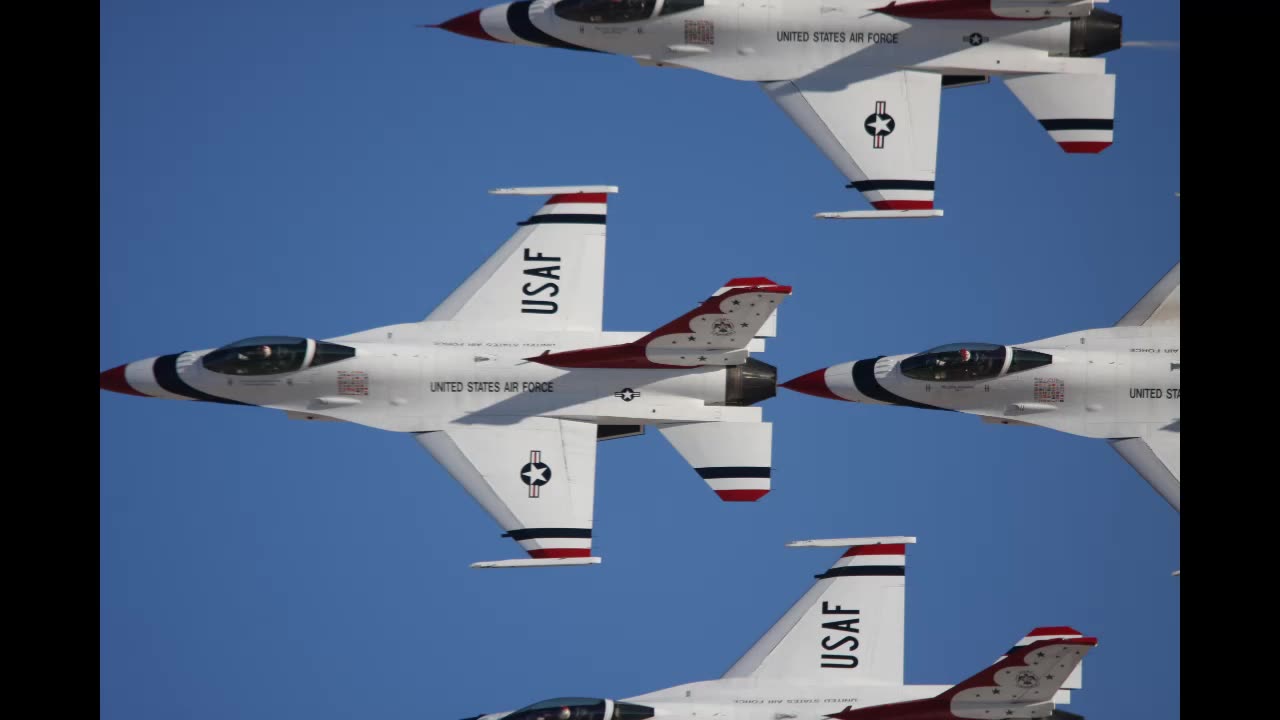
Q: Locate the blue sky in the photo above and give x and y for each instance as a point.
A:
(320, 168)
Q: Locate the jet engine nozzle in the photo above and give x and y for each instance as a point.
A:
(750, 383)
(1096, 33)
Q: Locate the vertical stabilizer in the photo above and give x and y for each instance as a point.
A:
(848, 628)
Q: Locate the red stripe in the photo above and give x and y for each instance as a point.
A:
(579, 198)
(904, 204)
(1060, 630)
(749, 282)
(741, 495)
(114, 381)
(560, 553)
(944, 10)
(859, 550)
(814, 383)
(468, 25)
(1085, 147)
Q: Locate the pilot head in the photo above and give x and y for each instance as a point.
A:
(564, 714)
(964, 355)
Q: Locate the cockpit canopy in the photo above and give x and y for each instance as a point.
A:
(572, 708)
(961, 362)
(618, 11)
(956, 362)
(273, 354)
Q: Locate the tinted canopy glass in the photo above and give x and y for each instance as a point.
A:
(271, 355)
(957, 362)
(265, 355)
(1027, 359)
(605, 11)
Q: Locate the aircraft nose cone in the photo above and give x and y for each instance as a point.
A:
(114, 381)
(814, 383)
(468, 25)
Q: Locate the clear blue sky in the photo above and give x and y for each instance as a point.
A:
(319, 168)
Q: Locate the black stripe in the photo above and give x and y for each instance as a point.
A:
(864, 379)
(537, 533)
(520, 24)
(865, 185)
(715, 473)
(864, 570)
(569, 218)
(165, 369)
(1080, 124)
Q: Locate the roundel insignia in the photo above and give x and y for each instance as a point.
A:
(976, 39)
(1027, 679)
(879, 124)
(535, 473)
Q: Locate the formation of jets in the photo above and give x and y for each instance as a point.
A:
(512, 381)
(862, 78)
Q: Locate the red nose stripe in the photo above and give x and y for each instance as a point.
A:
(468, 25)
(814, 383)
(741, 495)
(114, 381)
(1085, 147)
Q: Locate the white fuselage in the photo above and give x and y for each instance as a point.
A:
(1104, 383)
(421, 377)
(763, 41)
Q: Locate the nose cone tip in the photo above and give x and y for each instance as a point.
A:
(814, 383)
(468, 25)
(114, 381)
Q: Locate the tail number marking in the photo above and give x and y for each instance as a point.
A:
(533, 289)
(849, 627)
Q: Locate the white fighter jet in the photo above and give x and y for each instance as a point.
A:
(862, 78)
(837, 653)
(1122, 383)
(511, 381)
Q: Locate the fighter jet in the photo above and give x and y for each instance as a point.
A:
(511, 381)
(862, 78)
(1121, 383)
(837, 653)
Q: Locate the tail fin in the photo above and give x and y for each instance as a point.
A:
(848, 629)
(1074, 680)
(1025, 682)
(717, 332)
(1078, 110)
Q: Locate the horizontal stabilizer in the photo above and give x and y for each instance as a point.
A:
(555, 190)
(532, 562)
(1024, 682)
(735, 458)
(717, 332)
(1078, 110)
(854, 542)
(879, 214)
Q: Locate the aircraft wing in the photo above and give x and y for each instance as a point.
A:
(880, 130)
(549, 275)
(536, 477)
(1162, 305)
(1158, 459)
